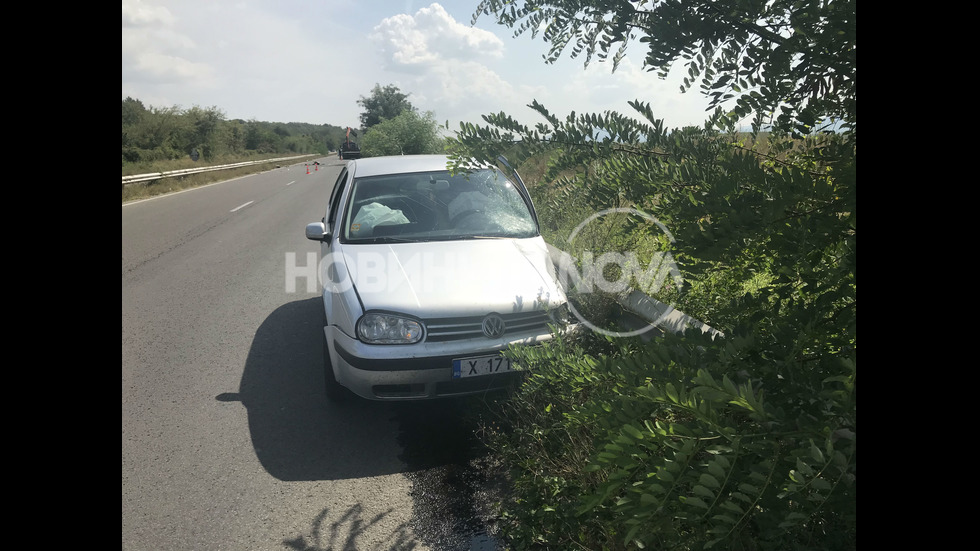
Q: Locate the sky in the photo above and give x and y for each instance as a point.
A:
(310, 61)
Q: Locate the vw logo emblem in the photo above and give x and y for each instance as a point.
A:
(493, 326)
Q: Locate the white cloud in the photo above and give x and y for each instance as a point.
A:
(445, 64)
(135, 13)
(153, 51)
(431, 37)
(168, 68)
(295, 60)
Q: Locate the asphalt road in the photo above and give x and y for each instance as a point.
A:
(228, 442)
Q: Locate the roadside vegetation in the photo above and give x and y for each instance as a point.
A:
(162, 139)
(746, 441)
(152, 136)
(393, 126)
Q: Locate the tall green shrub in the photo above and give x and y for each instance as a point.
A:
(409, 133)
(746, 441)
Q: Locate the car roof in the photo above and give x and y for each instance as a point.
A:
(398, 164)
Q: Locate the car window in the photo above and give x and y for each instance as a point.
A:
(436, 206)
(335, 195)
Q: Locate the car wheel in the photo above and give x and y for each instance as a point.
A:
(335, 391)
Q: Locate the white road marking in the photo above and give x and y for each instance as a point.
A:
(242, 206)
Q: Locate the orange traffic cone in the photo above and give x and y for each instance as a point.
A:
(307, 168)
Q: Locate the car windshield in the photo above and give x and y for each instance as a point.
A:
(436, 206)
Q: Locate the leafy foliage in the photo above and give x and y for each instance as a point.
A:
(677, 446)
(687, 442)
(795, 56)
(384, 103)
(152, 134)
(409, 133)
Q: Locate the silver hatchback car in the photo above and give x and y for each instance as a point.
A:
(427, 276)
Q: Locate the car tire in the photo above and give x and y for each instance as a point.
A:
(335, 391)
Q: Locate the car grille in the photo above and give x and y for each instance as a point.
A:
(454, 329)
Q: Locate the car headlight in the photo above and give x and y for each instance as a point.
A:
(375, 328)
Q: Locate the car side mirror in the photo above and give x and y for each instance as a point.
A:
(317, 232)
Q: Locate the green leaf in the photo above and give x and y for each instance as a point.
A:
(742, 497)
(709, 480)
(633, 431)
(732, 507)
(726, 518)
(716, 469)
(729, 385)
(820, 484)
(816, 453)
(694, 501)
(702, 491)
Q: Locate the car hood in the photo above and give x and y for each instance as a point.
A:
(454, 278)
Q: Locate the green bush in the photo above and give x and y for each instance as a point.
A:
(745, 441)
(655, 445)
(685, 442)
(409, 133)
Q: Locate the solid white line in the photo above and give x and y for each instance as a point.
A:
(242, 206)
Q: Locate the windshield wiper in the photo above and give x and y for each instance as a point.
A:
(382, 239)
(495, 236)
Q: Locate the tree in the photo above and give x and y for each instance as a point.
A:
(409, 133)
(133, 113)
(204, 125)
(152, 135)
(795, 60)
(260, 137)
(383, 103)
(741, 442)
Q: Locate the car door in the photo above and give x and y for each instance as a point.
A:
(332, 203)
(339, 301)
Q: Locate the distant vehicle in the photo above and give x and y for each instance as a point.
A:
(427, 277)
(349, 150)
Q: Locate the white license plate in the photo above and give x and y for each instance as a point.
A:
(480, 365)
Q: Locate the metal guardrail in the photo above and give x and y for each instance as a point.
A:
(184, 172)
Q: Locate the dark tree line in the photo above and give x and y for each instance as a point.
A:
(152, 134)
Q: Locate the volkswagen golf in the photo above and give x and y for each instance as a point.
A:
(427, 275)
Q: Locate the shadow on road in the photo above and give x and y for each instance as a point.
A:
(454, 480)
(344, 534)
(296, 433)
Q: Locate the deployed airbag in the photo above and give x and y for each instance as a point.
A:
(372, 215)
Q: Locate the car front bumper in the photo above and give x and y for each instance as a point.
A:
(417, 371)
